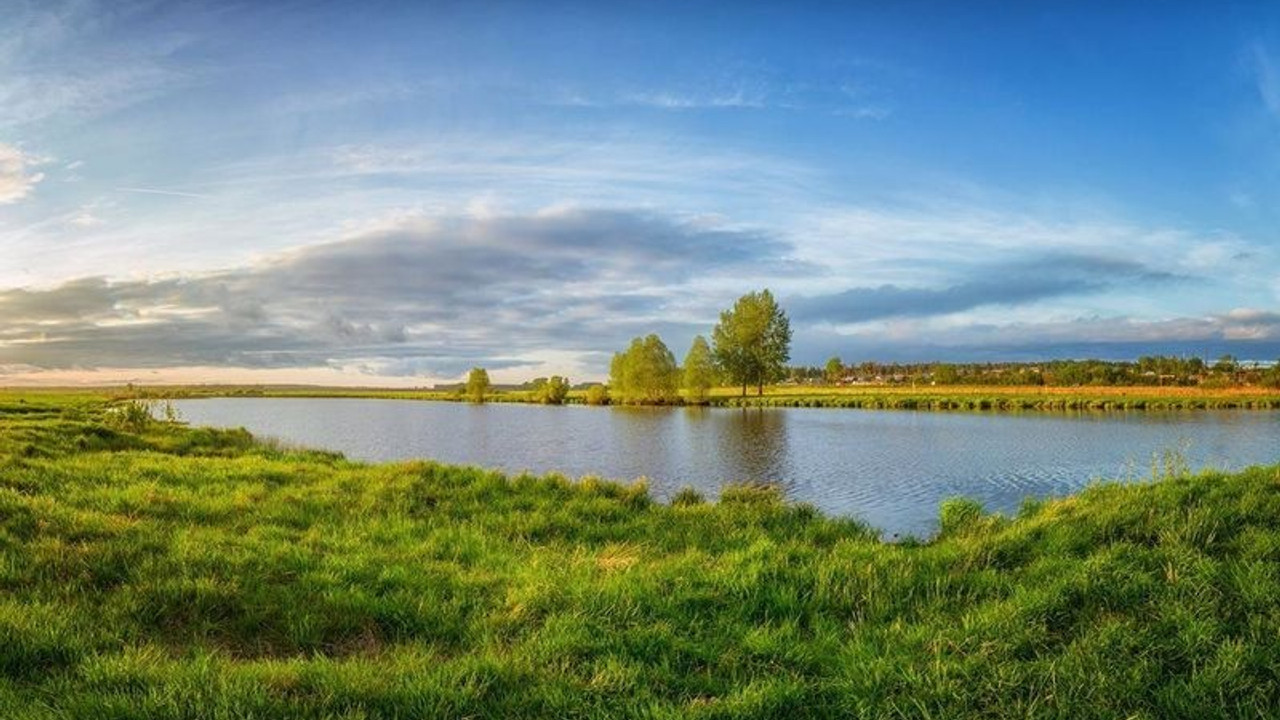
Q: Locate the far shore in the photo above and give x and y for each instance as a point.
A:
(863, 396)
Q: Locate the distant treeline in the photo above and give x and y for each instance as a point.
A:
(1154, 370)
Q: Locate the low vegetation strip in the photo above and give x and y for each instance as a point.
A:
(150, 570)
(957, 401)
(872, 397)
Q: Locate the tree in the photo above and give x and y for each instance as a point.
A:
(1227, 365)
(644, 373)
(477, 384)
(946, 374)
(597, 395)
(834, 370)
(699, 372)
(553, 391)
(752, 341)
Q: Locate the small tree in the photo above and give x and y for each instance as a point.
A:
(752, 341)
(553, 391)
(644, 373)
(946, 374)
(699, 373)
(477, 384)
(834, 370)
(597, 395)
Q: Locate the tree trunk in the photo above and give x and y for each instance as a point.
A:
(760, 389)
(744, 389)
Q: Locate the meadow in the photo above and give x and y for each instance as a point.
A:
(153, 570)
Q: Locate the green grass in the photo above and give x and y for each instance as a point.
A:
(871, 397)
(168, 572)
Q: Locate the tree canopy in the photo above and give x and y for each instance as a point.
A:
(752, 341)
(552, 391)
(644, 373)
(699, 372)
(477, 384)
(834, 370)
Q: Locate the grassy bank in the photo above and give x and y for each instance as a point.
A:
(155, 571)
(884, 397)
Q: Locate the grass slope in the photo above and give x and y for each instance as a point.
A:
(193, 573)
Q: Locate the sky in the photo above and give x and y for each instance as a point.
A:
(391, 193)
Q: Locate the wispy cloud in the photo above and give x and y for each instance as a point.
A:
(1248, 333)
(1267, 75)
(740, 92)
(666, 100)
(935, 243)
(18, 175)
(95, 73)
(157, 191)
(1031, 280)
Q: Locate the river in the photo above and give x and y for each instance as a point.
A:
(890, 468)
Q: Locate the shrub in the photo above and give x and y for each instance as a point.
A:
(597, 395)
(132, 416)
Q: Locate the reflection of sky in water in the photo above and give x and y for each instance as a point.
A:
(890, 468)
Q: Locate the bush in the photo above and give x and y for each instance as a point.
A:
(132, 416)
(597, 395)
(553, 391)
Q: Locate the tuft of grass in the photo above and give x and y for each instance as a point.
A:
(161, 571)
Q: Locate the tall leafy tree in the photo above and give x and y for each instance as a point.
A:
(752, 341)
(834, 370)
(477, 384)
(644, 373)
(699, 373)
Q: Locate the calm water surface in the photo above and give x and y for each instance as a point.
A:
(890, 468)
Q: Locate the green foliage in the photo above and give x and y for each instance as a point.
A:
(131, 416)
(645, 373)
(553, 391)
(834, 370)
(477, 384)
(880, 398)
(597, 395)
(699, 373)
(958, 515)
(945, 374)
(686, 497)
(752, 341)
(187, 573)
(1151, 370)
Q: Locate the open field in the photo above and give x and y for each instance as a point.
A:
(155, 571)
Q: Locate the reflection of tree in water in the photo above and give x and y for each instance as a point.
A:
(757, 438)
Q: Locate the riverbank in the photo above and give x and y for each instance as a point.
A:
(159, 571)
(871, 397)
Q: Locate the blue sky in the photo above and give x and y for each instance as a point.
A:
(390, 193)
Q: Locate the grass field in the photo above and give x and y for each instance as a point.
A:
(155, 571)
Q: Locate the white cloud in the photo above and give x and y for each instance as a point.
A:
(17, 174)
(85, 218)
